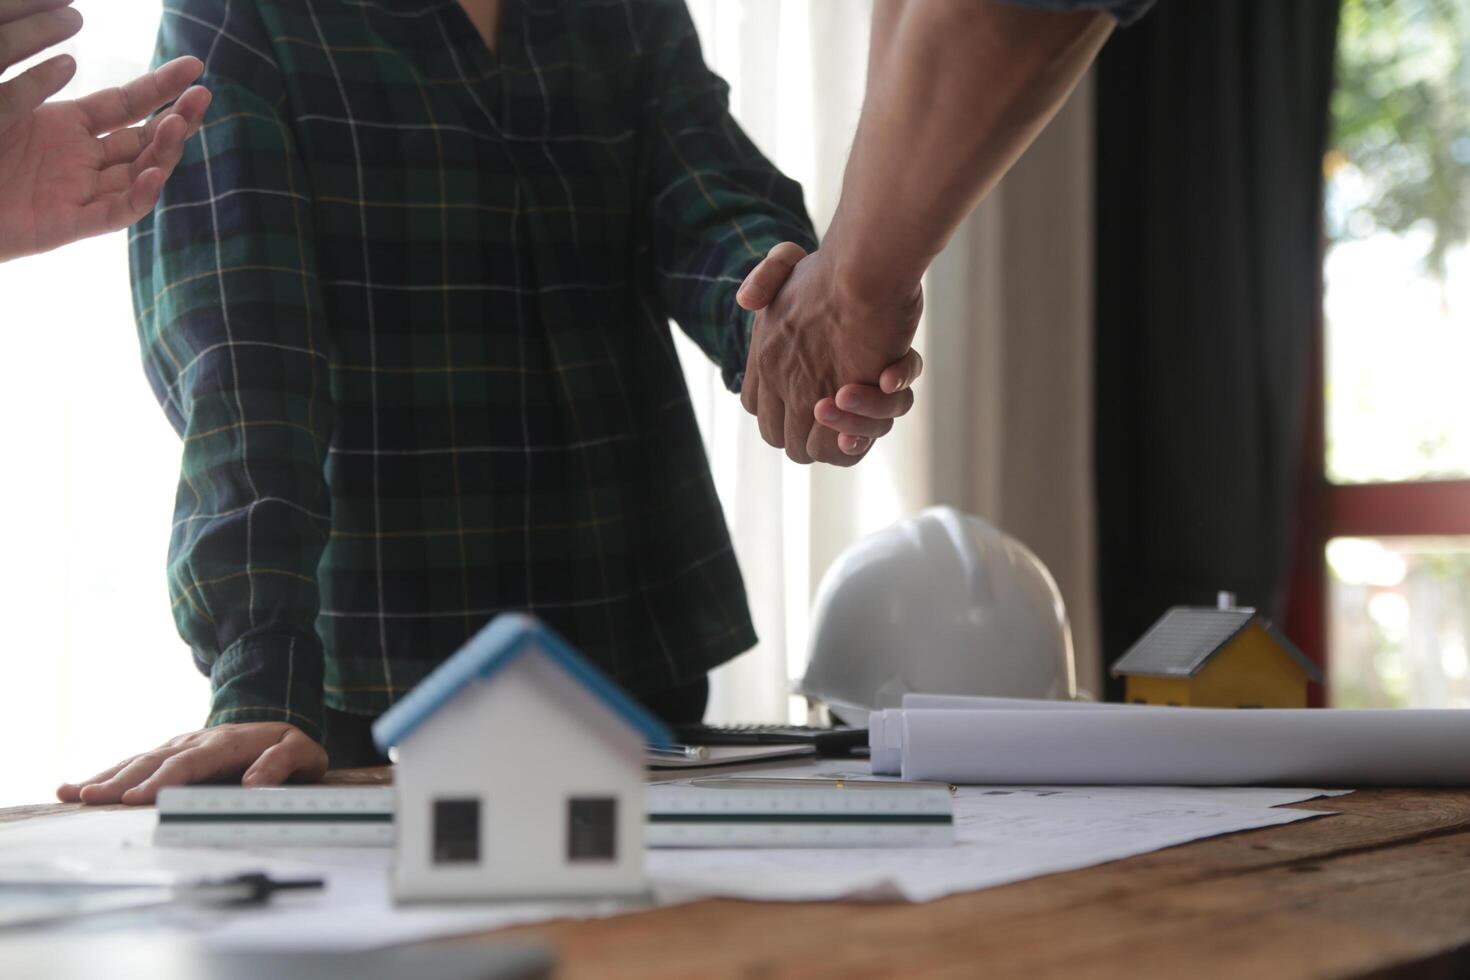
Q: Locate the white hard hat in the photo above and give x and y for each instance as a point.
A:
(940, 603)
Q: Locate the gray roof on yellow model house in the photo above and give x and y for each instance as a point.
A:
(1187, 637)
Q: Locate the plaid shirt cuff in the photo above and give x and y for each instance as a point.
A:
(269, 678)
(740, 322)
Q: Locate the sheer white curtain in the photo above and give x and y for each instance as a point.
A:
(92, 665)
(796, 72)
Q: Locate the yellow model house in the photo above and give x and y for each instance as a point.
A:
(1216, 658)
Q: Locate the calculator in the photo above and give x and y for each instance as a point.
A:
(829, 742)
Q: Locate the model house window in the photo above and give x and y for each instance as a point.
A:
(456, 831)
(592, 828)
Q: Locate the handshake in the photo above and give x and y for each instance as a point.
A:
(831, 363)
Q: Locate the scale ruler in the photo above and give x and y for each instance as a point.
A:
(679, 815)
(697, 816)
(288, 816)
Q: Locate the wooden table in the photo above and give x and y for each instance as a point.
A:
(1382, 889)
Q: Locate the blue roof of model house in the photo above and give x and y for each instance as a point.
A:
(493, 648)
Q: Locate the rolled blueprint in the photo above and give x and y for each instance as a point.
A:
(969, 702)
(1176, 746)
(885, 739)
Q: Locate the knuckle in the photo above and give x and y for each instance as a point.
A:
(129, 101)
(766, 359)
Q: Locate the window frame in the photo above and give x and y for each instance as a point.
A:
(1327, 510)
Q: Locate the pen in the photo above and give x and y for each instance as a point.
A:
(58, 900)
(812, 782)
(691, 752)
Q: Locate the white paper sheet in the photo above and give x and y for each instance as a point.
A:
(1003, 834)
(1174, 746)
(355, 911)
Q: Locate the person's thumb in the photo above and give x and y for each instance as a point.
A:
(769, 275)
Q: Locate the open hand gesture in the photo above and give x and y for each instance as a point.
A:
(71, 170)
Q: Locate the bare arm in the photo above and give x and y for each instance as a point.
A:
(957, 89)
(956, 92)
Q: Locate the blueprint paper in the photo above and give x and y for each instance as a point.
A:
(355, 911)
(1182, 746)
(1003, 834)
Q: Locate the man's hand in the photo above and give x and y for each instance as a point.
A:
(822, 351)
(860, 414)
(267, 753)
(71, 170)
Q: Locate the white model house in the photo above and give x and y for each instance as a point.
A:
(519, 773)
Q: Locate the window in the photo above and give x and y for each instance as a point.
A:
(1400, 612)
(1385, 546)
(457, 831)
(592, 828)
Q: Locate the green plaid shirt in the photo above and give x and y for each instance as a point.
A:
(407, 304)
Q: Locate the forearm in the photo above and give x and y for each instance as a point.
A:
(253, 512)
(956, 92)
(237, 349)
(716, 205)
(251, 519)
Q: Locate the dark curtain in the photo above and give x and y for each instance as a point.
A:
(1212, 122)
